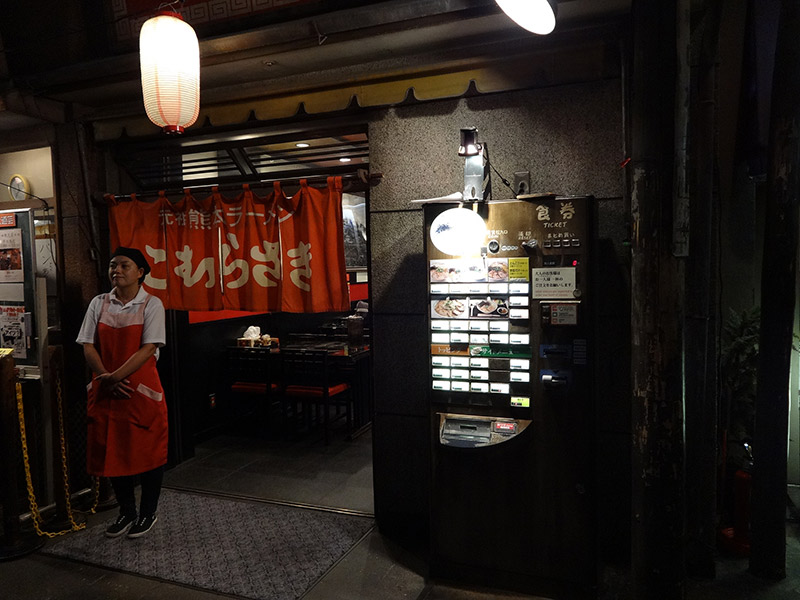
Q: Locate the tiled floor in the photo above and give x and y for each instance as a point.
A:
(338, 476)
(301, 472)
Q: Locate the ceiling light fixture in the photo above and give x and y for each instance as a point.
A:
(302, 145)
(344, 159)
(537, 16)
(169, 55)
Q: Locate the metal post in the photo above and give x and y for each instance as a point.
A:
(14, 543)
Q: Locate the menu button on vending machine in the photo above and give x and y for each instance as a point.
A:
(499, 388)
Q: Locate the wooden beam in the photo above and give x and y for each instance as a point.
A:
(658, 498)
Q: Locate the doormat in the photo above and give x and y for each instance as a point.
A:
(248, 549)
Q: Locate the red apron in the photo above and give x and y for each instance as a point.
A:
(126, 436)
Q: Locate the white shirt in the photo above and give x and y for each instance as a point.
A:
(153, 332)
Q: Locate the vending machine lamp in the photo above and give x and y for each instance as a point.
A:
(469, 145)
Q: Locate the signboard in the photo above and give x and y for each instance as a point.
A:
(556, 282)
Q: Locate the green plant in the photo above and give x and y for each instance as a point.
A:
(739, 371)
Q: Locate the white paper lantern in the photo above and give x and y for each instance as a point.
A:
(169, 56)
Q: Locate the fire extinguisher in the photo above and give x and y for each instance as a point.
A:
(735, 540)
(742, 488)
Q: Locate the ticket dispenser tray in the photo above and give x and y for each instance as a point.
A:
(470, 431)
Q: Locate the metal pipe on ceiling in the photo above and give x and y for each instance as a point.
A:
(355, 182)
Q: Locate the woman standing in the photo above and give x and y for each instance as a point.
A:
(127, 416)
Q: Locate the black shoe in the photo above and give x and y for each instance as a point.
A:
(120, 525)
(142, 526)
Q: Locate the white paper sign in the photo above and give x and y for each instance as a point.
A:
(555, 282)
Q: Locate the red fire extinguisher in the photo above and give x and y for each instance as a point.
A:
(742, 488)
(736, 539)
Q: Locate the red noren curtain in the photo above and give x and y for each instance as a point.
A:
(249, 253)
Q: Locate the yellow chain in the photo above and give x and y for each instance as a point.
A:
(64, 469)
(36, 516)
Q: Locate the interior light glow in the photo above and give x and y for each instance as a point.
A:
(344, 159)
(537, 16)
(302, 145)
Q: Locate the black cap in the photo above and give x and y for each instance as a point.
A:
(135, 255)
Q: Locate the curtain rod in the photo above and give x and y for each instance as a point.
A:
(354, 182)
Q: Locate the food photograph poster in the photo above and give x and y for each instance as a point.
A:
(11, 256)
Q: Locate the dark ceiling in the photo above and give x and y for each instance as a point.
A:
(71, 59)
(73, 65)
(84, 31)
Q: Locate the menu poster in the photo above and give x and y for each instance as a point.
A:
(11, 256)
(12, 330)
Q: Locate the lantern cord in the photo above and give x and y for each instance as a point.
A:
(356, 182)
(170, 5)
(320, 36)
(46, 206)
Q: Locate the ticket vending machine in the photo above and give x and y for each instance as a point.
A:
(510, 398)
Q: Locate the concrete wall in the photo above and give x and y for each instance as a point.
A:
(570, 139)
(35, 165)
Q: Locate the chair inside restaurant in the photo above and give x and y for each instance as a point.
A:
(311, 389)
(251, 375)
